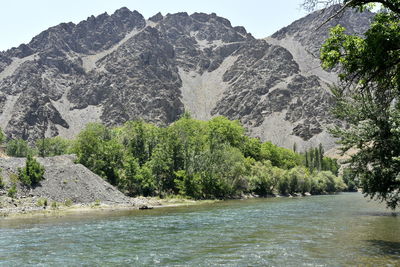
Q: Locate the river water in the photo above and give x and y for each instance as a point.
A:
(333, 230)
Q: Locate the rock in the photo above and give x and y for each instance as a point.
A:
(145, 207)
(114, 68)
(86, 188)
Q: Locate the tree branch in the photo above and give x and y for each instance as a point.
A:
(336, 14)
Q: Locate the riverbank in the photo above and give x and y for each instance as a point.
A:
(40, 207)
(29, 207)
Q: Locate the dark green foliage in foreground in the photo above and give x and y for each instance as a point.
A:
(197, 159)
(367, 98)
(32, 173)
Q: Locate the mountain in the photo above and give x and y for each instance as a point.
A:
(119, 67)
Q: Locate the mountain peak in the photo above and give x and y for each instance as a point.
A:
(114, 68)
(157, 17)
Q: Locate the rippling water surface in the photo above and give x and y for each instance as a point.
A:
(334, 230)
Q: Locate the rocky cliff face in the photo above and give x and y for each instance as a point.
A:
(119, 67)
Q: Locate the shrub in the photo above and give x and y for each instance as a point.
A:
(188, 185)
(260, 180)
(1, 179)
(42, 202)
(32, 173)
(327, 182)
(2, 136)
(12, 192)
(49, 147)
(299, 182)
(18, 148)
(68, 203)
(283, 185)
(350, 179)
(54, 205)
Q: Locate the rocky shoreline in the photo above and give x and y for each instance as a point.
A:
(72, 188)
(35, 207)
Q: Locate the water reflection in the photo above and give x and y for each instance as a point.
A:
(386, 247)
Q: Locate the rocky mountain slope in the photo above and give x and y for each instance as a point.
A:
(119, 67)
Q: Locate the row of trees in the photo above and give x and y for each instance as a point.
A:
(43, 147)
(213, 159)
(198, 159)
(314, 160)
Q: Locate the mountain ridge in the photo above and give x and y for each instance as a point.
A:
(119, 67)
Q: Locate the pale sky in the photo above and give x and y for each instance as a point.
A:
(21, 20)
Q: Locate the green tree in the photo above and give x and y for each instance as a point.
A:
(279, 156)
(135, 179)
(222, 131)
(97, 148)
(55, 146)
(32, 173)
(129, 181)
(161, 165)
(148, 183)
(283, 185)
(189, 184)
(299, 180)
(139, 139)
(18, 148)
(261, 179)
(368, 99)
(186, 138)
(2, 136)
(350, 180)
(321, 156)
(1, 179)
(252, 148)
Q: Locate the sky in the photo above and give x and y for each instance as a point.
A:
(21, 20)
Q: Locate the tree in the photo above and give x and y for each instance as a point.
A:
(53, 146)
(32, 173)
(392, 5)
(18, 148)
(260, 179)
(222, 131)
(189, 184)
(161, 165)
(368, 97)
(135, 179)
(1, 179)
(98, 150)
(2, 136)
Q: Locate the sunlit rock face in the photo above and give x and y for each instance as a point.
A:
(119, 67)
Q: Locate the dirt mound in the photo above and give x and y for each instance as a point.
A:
(64, 180)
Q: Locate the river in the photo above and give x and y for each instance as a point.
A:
(333, 230)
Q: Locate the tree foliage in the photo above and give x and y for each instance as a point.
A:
(18, 148)
(2, 136)
(32, 173)
(193, 158)
(97, 148)
(49, 147)
(368, 98)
